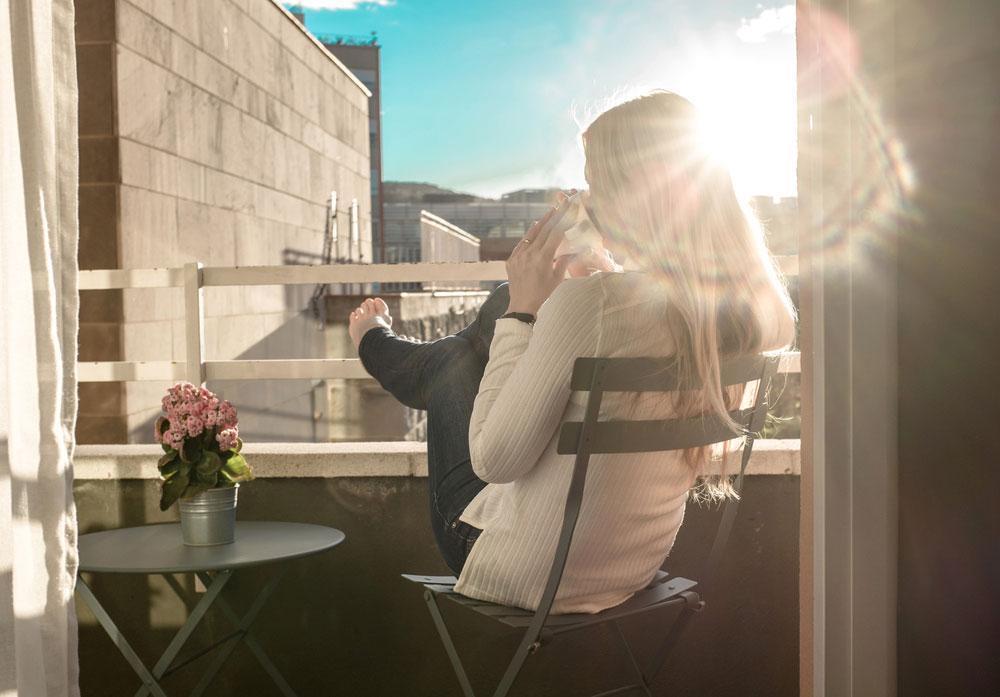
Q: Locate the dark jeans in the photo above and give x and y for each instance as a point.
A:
(442, 377)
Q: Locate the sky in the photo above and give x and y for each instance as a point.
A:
(486, 96)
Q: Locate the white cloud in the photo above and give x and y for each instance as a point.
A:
(337, 4)
(771, 20)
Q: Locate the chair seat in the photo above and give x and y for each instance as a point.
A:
(662, 590)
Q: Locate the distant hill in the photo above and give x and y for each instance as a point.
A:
(422, 192)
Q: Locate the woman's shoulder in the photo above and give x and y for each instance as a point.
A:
(575, 296)
(578, 287)
(605, 287)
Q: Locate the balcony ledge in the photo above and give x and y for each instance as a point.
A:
(334, 460)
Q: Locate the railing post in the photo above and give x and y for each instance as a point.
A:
(194, 323)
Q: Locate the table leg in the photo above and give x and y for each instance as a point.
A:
(179, 591)
(243, 628)
(211, 594)
(243, 625)
(149, 682)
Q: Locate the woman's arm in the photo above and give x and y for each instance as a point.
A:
(525, 388)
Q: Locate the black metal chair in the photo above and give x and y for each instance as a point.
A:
(600, 375)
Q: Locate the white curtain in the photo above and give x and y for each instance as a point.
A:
(38, 339)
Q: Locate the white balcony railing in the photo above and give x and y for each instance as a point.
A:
(771, 456)
(193, 278)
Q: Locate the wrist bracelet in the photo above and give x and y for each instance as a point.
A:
(523, 316)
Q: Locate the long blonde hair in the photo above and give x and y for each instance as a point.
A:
(659, 194)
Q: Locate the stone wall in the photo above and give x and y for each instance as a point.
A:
(102, 405)
(221, 129)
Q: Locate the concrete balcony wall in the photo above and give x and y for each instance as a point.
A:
(345, 623)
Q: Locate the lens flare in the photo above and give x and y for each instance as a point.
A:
(866, 195)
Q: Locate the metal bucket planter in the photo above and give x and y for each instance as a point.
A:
(209, 518)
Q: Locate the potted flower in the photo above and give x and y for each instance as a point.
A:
(202, 465)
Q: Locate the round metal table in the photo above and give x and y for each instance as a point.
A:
(159, 549)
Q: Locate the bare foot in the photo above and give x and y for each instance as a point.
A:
(373, 312)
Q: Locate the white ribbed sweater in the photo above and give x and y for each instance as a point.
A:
(633, 504)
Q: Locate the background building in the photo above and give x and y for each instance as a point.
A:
(427, 238)
(497, 224)
(213, 132)
(548, 196)
(361, 54)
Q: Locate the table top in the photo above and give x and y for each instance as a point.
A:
(159, 549)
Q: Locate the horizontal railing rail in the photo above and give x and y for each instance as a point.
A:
(263, 369)
(773, 456)
(111, 279)
(194, 277)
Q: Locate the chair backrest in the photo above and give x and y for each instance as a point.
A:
(590, 436)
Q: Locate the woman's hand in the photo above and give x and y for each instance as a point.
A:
(532, 270)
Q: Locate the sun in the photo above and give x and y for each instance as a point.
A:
(754, 139)
(746, 100)
(715, 139)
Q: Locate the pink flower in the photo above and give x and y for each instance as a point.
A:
(227, 415)
(173, 438)
(194, 426)
(191, 410)
(227, 439)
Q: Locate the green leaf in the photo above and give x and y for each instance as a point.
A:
(166, 448)
(169, 466)
(191, 450)
(173, 489)
(169, 456)
(208, 466)
(208, 437)
(236, 469)
(239, 445)
(196, 488)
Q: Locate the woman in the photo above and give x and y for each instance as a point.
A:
(698, 284)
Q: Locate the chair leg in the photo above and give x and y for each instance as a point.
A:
(449, 646)
(668, 643)
(529, 644)
(640, 677)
